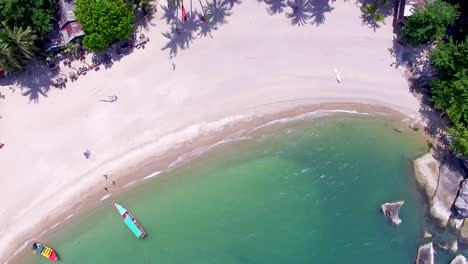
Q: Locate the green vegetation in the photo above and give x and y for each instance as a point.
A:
(372, 11)
(450, 90)
(35, 14)
(431, 23)
(104, 22)
(16, 47)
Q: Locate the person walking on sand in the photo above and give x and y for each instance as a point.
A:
(105, 176)
(171, 60)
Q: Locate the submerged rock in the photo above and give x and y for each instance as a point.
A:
(461, 203)
(460, 259)
(391, 211)
(426, 254)
(417, 125)
(440, 185)
(427, 235)
(453, 247)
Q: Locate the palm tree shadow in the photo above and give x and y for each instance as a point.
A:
(275, 6)
(386, 10)
(35, 86)
(301, 12)
(231, 3)
(318, 8)
(219, 12)
(182, 34)
(169, 13)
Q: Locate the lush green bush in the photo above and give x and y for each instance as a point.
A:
(104, 21)
(450, 90)
(430, 23)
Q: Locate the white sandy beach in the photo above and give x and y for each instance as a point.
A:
(255, 63)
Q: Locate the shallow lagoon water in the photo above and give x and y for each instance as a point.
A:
(302, 192)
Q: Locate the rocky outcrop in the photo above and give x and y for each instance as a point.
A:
(461, 203)
(460, 259)
(440, 184)
(391, 211)
(426, 254)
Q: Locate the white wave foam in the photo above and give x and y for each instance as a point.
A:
(152, 175)
(105, 197)
(317, 113)
(68, 217)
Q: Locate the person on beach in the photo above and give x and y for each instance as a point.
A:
(105, 189)
(113, 183)
(105, 176)
(1, 145)
(171, 60)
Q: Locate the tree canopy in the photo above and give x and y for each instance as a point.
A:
(35, 14)
(104, 21)
(450, 90)
(430, 23)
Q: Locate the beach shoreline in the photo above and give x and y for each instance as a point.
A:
(149, 165)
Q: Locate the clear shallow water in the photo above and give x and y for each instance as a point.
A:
(302, 192)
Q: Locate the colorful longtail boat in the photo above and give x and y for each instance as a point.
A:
(130, 221)
(45, 251)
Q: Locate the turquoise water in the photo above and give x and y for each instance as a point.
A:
(302, 192)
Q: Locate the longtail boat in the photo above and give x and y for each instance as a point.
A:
(130, 221)
(45, 251)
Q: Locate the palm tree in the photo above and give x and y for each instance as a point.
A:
(16, 47)
(379, 17)
(8, 59)
(370, 10)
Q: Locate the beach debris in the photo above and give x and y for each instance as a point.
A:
(110, 99)
(338, 77)
(391, 211)
(87, 154)
(426, 254)
(460, 259)
(399, 130)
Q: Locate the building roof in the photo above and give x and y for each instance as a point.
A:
(70, 31)
(67, 12)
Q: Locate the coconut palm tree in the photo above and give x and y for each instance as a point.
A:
(8, 59)
(370, 10)
(16, 46)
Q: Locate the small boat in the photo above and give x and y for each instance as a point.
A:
(45, 251)
(130, 221)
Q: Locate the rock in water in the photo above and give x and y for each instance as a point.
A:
(391, 211)
(459, 260)
(440, 184)
(461, 203)
(453, 247)
(427, 235)
(426, 254)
